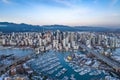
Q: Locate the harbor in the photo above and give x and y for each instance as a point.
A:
(53, 64)
(57, 65)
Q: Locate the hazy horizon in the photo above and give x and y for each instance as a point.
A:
(101, 13)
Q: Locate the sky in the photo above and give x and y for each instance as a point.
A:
(64, 12)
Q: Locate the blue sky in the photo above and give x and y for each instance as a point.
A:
(64, 12)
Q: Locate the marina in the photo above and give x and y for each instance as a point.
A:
(53, 64)
(56, 65)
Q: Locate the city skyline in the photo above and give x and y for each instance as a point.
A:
(64, 12)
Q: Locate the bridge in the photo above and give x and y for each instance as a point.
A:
(115, 65)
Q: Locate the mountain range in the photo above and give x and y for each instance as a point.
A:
(8, 27)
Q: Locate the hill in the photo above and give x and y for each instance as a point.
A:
(13, 27)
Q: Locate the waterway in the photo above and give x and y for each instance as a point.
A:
(16, 51)
(60, 55)
(69, 72)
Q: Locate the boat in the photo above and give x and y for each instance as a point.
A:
(65, 78)
(77, 70)
(61, 72)
(83, 72)
(95, 73)
(72, 77)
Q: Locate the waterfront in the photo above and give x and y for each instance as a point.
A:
(45, 64)
(19, 52)
(12, 57)
(54, 65)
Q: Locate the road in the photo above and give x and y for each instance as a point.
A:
(105, 59)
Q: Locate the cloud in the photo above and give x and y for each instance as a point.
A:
(6, 1)
(114, 2)
(67, 3)
(115, 14)
(95, 1)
